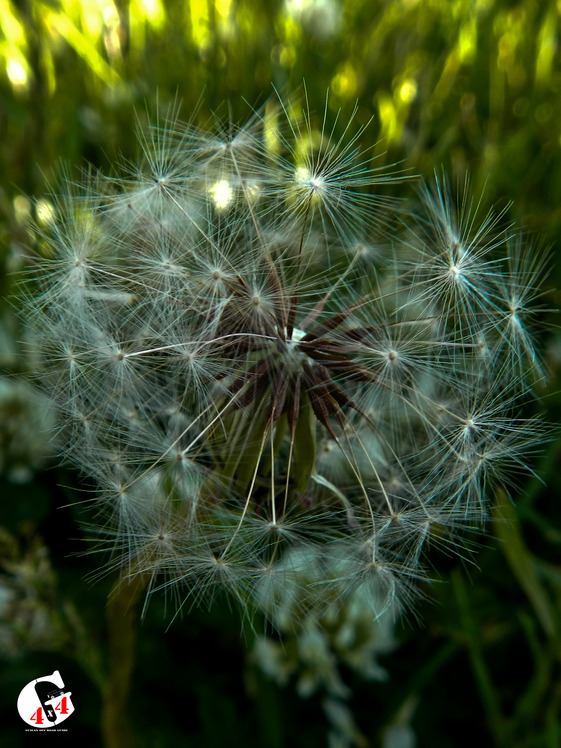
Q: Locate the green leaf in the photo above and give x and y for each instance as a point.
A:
(520, 560)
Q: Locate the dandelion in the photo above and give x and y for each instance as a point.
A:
(256, 365)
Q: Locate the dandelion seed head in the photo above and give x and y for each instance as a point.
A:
(271, 400)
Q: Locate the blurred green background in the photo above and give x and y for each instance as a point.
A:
(462, 85)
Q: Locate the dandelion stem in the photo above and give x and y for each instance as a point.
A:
(122, 628)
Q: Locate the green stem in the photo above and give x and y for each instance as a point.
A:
(122, 628)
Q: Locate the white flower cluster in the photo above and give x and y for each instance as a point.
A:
(252, 350)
